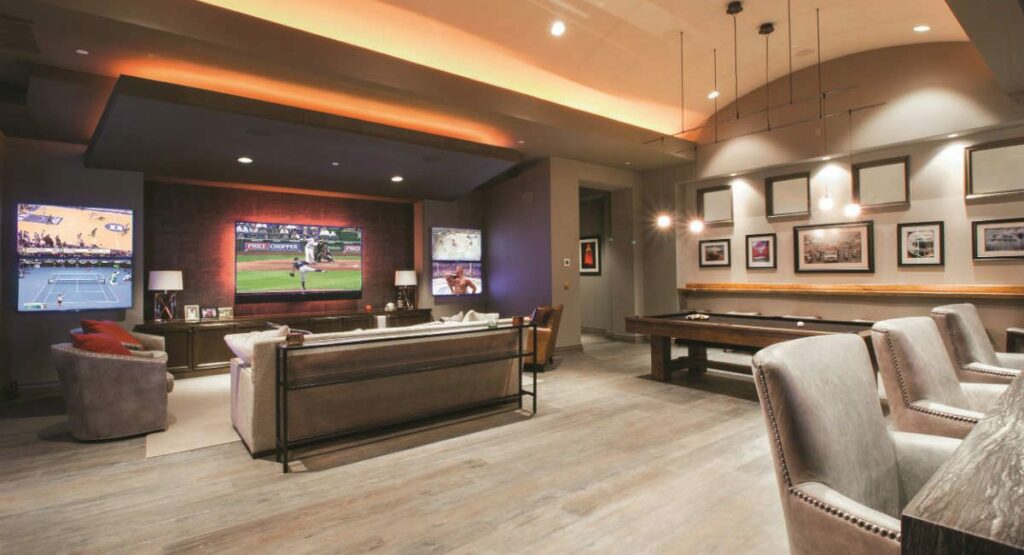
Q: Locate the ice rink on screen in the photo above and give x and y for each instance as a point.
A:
(456, 244)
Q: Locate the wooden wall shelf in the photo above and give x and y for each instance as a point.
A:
(861, 290)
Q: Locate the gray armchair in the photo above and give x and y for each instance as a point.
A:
(921, 384)
(111, 396)
(843, 477)
(971, 349)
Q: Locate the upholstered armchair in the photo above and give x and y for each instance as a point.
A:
(844, 478)
(969, 346)
(921, 383)
(111, 396)
(547, 337)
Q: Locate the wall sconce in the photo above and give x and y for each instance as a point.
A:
(664, 221)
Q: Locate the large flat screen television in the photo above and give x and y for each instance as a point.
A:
(74, 258)
(456, 267)
(297, 262)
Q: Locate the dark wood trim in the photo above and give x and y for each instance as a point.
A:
(769, 185)
(969, 193)
(1008, 292)
(899, 244)
(900, 205)
(700, 204)
(870, 253)
(974, 239)
(775, 251)
(728, 253)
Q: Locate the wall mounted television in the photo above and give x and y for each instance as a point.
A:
(456, 267)
(296, 262)
(74, 258)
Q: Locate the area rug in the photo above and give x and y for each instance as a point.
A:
(200, 416)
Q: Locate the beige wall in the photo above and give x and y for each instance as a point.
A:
(937, 193)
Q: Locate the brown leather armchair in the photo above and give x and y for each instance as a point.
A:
(547, 337)
(844, 478)
(968, 344)
(921, 384)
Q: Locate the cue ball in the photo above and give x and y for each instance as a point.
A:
(799, 324)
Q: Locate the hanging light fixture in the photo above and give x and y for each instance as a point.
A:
(851, 210)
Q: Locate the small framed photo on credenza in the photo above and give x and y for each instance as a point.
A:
(191, 313)
(762, 251)
(921, 244)
(834, 248)
(998, 239)
(225, 312)
(208, 313)
(715, 253)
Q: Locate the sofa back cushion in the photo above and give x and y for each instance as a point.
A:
(109, 327)
(243, 344)
(99, 343)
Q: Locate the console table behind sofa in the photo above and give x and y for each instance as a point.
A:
(198, 348)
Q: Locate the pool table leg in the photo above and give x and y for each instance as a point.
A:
(661, 358)
(697, 358)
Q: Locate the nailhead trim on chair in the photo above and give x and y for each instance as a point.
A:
(979, 368)
(906, 396)
(775, 427)
(839, 513)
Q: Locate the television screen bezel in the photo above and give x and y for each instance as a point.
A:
(297, 296)
(17, 261)
(480, 262)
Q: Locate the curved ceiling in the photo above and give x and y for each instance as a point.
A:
(619, 58)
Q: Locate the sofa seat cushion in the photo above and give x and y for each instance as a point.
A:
(111, 328)
(99, 343)
(242, 344)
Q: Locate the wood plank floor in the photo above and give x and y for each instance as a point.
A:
(614, 463)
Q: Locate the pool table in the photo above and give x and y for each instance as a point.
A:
(726, 331)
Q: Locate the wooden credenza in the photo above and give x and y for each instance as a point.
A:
(198, 348)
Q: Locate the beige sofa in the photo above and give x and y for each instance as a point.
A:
(364, 404)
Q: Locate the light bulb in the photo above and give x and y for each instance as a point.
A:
(696, 226)
(851, 210)
(826, 203)
(713, 95)
(664, 221)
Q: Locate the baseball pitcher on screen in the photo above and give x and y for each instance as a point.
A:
(303, 268)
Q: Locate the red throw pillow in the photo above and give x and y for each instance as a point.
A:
(110, 328)
(99, 343)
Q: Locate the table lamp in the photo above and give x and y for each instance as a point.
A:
(165, 285)
(405, 279)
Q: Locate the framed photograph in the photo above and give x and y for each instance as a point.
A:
(191, 313)
(921, 244)
(225, 313)
(590, 256)
(998, 239)
(882, 184)
(994, 169)
(715, 204)
(208, 313)
(715, 253)
(788, 196)
(834, 248)
(762, 251)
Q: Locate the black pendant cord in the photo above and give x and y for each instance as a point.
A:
(789, 34)
(682, 85)
(767, 82)
(821, 97)
(715, 90)
(735, 67)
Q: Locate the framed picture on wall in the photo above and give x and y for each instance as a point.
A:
(762, 251)
(882, 184)
(715, 205)
(788, 196)
(715, 253)
(834, 248)
(921, 244)
(590, 256)
(994, 169)
(998, 239)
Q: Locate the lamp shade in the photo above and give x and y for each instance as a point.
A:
(405, 278)
(165, 280)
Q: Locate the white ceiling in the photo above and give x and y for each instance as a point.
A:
(618, 58)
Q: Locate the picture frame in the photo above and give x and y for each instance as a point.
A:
(192, 313)
(762, 251)
(882, 184)
(838, 248)
(993, 169)
(225, 313)
(715, 206)
(590, 255)
(998, 239)
(788, 196)
(715, 253)
(208, 313)
(921, 244)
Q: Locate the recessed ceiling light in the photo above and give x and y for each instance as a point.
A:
(558, 28)
(921, 28)
(244, 160)
(713, 95)
(628, 163)
(522, 142)
(733, 174)
(81, 52)
(952, 135)
(335, 163)
(397, 179)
